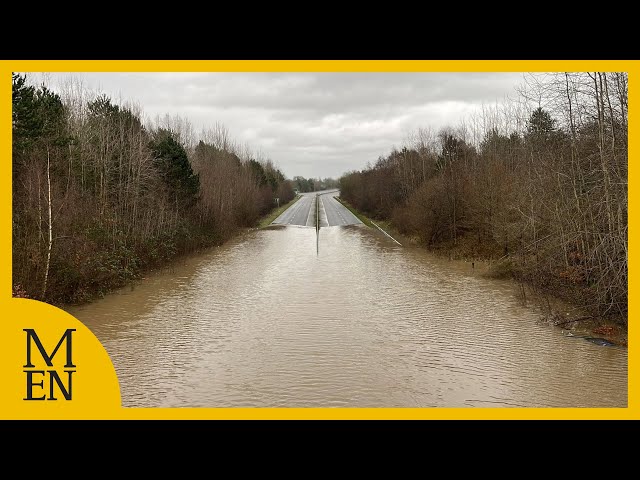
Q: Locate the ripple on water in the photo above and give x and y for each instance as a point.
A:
(267, 321)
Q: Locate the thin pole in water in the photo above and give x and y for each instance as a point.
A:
(317, 226)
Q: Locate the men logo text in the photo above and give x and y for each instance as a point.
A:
(42, 383)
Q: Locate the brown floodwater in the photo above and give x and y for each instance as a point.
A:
(271, 319)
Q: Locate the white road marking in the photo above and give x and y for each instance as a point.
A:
(386, 233)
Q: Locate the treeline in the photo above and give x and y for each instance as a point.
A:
(303, 185)
(98, 197)
(543, 189)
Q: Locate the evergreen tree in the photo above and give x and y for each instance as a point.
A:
(541, 123)
(38, 117)
(258, 172)
(171, 161)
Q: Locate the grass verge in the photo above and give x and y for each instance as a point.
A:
(383, 224)
(364, 219)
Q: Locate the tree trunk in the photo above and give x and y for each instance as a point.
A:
(46, 268)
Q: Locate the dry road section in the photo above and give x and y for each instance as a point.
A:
(332, 213)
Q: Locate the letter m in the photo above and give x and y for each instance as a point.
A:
(33, 337)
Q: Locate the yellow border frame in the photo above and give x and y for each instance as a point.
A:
(631, 66)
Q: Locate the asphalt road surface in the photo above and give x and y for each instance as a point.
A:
(332, 212)
(300, 213)
(335, 213)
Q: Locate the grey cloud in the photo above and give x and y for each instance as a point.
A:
(311, 124)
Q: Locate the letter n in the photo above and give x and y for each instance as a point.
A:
(53, 375)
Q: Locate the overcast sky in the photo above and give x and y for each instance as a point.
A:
(310, 124)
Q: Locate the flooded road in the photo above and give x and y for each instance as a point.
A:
(269, 321)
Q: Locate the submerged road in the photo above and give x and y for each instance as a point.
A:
(303, 212)
(272, 320)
